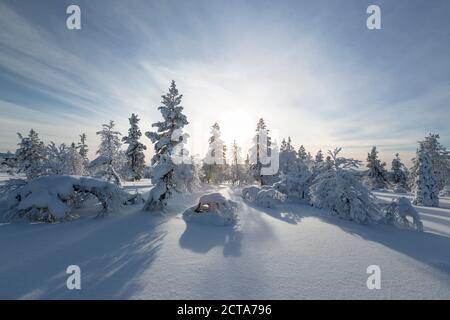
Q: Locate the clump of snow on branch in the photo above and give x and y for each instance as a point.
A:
(51, 198)
(213, 209)
(339, 192)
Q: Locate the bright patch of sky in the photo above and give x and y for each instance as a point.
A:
(310, 68)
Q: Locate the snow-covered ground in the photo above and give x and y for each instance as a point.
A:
(292, 252)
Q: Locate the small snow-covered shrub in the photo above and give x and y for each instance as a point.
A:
(53, 198)
(269, 198)
(250, 193)
(339, 192)
(398, 210)
(266, 196)
(213, 209)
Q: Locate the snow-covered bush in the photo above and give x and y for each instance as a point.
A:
(213, 209)
(64, 160)
(263, 196)
(52, 198)
(425, 184)
(269, 198)
(340, 193)
(30, 156)
(249, 193)
(104, 169)
(398, 210)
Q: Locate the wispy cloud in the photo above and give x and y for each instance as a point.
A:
(310, 68)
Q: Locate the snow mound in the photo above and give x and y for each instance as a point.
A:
(52, 198)
(213, 209)
(266, 196)
(397, 212)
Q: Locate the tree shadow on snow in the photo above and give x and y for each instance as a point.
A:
(110, 261)
(428, 248)
(202, 238)
(289, 212)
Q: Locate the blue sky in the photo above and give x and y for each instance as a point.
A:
(311, 68)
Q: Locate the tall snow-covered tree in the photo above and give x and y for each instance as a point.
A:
(319, 157)
(302, 153)
(399, 174)
(238, 175)
(295, 176)
(287, 156)
(425, 184)
(440, 160)
(74, 164)
(166, 140)
(109, 153)
(215, 162)
(338, 191)
(135, 151)
(83, 151)
(30, 156)
(64, 160)
(263, 142)
(83, 147)
(377, 175)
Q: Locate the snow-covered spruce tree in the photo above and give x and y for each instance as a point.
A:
(108, 161)
(399, 174)
(74, 164)
(237, 169)
(30, 156)
(215, 162)
(83, 151)
(319, 157)
(440, 160)
(135, 151)
(425, 184)
(295, 176)
(63, 160)
(83, 147)
(376, 175)
(165, 142)
(55, 158)
(263, 142)
(302, 153)
(339, 192)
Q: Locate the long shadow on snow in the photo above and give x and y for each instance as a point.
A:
(110, 262)
(202, 238)
(428, 248)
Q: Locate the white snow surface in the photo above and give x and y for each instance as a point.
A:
(289, 252)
